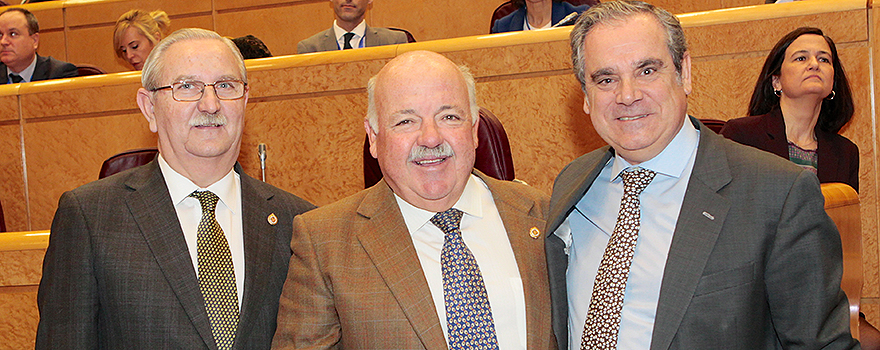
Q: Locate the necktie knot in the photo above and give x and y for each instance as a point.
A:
(635, 181)
(448, 221)
(347, 36)
(15, 78)
(207, 199)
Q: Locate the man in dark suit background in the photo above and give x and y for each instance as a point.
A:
(725, 247)
(350, 30)
(19, 39)
(377, 270)
(186, 252)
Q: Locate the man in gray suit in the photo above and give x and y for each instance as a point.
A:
(186, 252)
(350, 31)
(673, 237)
(19, 62)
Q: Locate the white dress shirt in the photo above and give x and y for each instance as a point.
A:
(27, 74)
(357, 41)
(589, 227)
(484, 234)
(228, 213)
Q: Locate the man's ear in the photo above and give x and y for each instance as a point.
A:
(36, 37)
(145, 102)
(371, 134)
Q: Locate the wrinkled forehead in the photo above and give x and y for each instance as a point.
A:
(207, 60)
(13, 20)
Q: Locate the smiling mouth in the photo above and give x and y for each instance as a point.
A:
(431, 161)
(626, 119)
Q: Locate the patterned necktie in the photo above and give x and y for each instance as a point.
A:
(216, 273)
(603, 317)
(15, 78)
(347, 44)
(468, 313)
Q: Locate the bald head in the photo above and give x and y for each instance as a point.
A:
(413, 65)
(422, 125)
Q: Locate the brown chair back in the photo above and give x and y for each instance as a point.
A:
(714, 124)
(842, 205)
(88, 69)
(409, 37)
(493, 156)
(127, 160)
(2, 221)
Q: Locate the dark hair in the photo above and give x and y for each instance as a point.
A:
(251, 47)
(32, 24)
(834, 114)
(522, 3)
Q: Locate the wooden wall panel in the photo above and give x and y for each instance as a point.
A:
(280, 28)
(12, 186)
(439, 20)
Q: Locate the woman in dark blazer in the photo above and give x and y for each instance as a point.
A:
(541, 13)
(801, 101)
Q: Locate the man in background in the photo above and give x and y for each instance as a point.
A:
(350, 30)
(19, 39)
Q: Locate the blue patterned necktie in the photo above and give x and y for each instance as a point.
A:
(603, 317)
(216, 273)
(468, 313)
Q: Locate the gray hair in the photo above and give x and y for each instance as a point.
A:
(618, 11)
(155, 63)
(373, 115)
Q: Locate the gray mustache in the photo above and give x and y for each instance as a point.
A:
(205, 119)
(422, 152)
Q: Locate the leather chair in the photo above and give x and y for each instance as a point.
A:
(127, 160)
(409, 37)
(493, 155)
(714, 124)
(2, 221)
(508, 7)
(88, 69)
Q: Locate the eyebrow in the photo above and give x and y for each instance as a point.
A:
(807, 52)
(193, 77)
(411, 111)
(640, 64)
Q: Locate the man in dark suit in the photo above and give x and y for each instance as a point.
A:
(380, 270)
(673, 237)
(19, 39)
(350, 31)
(186, 252)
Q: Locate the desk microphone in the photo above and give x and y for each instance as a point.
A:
(261, 150)
(567, 20)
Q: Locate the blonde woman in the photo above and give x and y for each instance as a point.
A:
(137, 31)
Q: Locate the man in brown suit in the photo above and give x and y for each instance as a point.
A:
(373, 270)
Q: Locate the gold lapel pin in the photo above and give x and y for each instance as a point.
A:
(535, 233)
(272, 219)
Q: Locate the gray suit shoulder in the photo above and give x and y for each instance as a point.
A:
(310, 44)
(387, 36)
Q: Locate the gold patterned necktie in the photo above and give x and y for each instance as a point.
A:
(468, 313)
(216, 273)
(603, 317)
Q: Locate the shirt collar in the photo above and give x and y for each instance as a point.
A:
(358, 33)
(670, 161)
(27, 74)
(180, 187)
(470, 203)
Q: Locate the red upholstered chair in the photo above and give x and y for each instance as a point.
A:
(714, 124)
(127, 160)
(508, 7)
(88, 69)
(493, 155)
(409, 37)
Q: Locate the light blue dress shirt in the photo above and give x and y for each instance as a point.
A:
(592, 222)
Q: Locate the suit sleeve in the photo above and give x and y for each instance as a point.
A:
(807, 306)
(68, 298)
(307, 317)
(302, 47)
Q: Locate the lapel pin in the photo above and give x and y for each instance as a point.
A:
(710, 216)
(534, 232)
(272, 219)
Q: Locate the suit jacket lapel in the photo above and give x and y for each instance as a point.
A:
(519, 219)
(41, 72)
(259, 241)
(4, 74)
(700, 220)
(386, 240)
(150, 205)
(370, 37)
(329, 43)
(573, 185)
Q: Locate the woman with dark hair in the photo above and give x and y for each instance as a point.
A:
(801, 100)
(536, 14)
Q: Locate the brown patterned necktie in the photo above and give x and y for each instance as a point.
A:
(216, 273)
(603, 317)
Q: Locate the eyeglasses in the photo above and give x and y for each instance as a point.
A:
(193, 90)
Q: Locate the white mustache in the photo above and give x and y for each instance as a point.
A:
(205, 119)
(422, 152)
